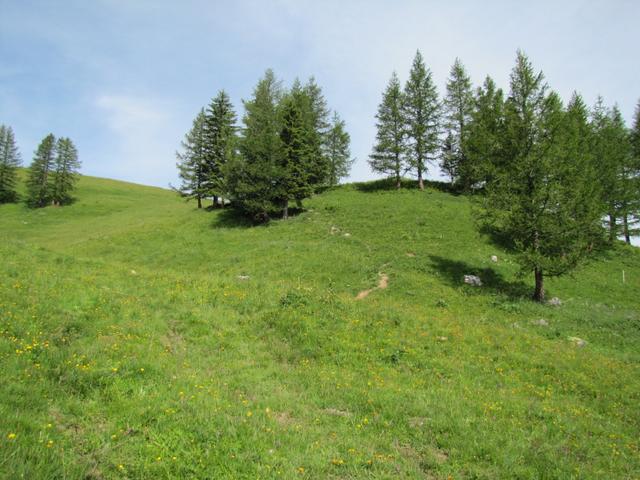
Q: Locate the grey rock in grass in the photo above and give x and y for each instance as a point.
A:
(542, 322)
(578, 342)
(473, 280)
(243, 277)
(555, 302)
(494, 258)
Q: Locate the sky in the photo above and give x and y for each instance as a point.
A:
(124, 79)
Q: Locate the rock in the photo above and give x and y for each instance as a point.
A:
(243, 277)
(442, 339)
(577, 341)
(334, 230)
(472, 280)
(494, 258)
(347, 234)
(542, 322)
(555, 302)
(133, 272)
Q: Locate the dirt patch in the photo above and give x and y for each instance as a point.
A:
(382, 284)
(410, 254)
(336, 412)
(284, 419)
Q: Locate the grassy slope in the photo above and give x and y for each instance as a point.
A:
(131, 349)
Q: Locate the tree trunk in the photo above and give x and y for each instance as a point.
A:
(285, 210)
(612, 227)
(420, 181)
(538, 295)
(214, 202)
(398, 182)
(627, 237)
(299, 203)
(199, 202)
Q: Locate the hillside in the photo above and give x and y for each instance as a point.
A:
(142, 338)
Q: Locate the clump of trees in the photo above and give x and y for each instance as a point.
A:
(557, 181)
(51, 177)
(53, 173)
(287, 148)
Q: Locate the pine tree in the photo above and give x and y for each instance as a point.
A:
(220, 144)
(191, 161)
(338, 151)
(422, 118)
(9, 161)
(38, 181)
(389, 152)
(65, 172)
(254, 179)
(319, 112)
(458, 108)
(485, 133)
(542, 195)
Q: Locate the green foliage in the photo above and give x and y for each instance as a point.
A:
(219, 144)
(543, 199)
(458, 108)
(10, 160)
(126, 355)
(421, 112)
(65, 172)
(338, 150)
(40, 172)
(191, 162)
(389, 154)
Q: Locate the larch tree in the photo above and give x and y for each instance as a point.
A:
(319, 112)
(220, 144)
(485, 133)
(338, 150)
(542, 196)
(389, 155)
(254, 179)
(38, 179)
(458, 108)
(65, 172)
(421, 110)
(10, 160)
(191, 162)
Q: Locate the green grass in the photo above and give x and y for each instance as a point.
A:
(130, 347)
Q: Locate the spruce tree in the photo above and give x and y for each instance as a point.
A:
(191, 161)
(65, 172)
(338, 151)
(389, 154)
(254, 179)
(485, 134)
(319, 113)
(422, 117)
(38, 181)
(220, 144)
(542, 196)
(458, 108)
(9, 162)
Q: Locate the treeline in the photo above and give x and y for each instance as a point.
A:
(547, 175)
(51, 177)
(288, 147)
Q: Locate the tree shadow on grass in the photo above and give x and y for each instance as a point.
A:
(230, 217)
(389, 184)
(453, 272)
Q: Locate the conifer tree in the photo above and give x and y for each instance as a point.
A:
(254, 179)
(338, 151)
(390, 150)
(422, 118)
(191, 161)
(65, 172)
(542, 197)
(319, 112)
(458, 108)
(9, 161)
(38, 181)
(220, 144)
(485, 133)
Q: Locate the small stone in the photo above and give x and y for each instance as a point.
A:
(555, 302)
(133, 272)
(494, 258)
(347, 234)
(243, 277)
(442, 339)
(577, 341)
(334, 230)
(542, 322)
(473, 280)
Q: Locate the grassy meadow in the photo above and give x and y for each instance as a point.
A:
(143, 338)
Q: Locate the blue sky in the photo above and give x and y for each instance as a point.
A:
(125, 78)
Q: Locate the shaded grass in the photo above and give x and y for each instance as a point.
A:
(130, 341)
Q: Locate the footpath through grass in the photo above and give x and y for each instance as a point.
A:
(142, 338)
